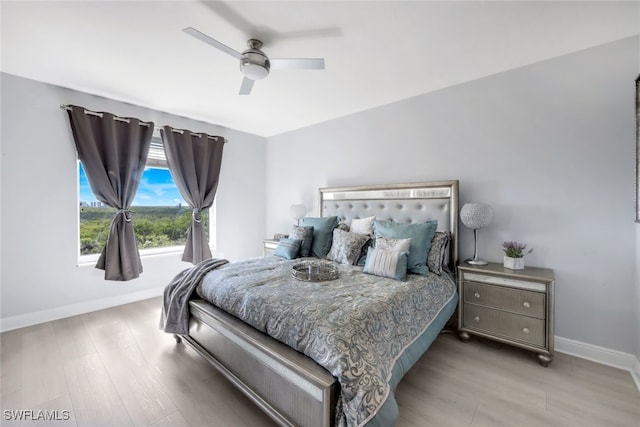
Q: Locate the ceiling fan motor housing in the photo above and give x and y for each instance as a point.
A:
(254, 63)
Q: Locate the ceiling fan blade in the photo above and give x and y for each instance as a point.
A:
(297, 63)
(213, 42)
(245, 87)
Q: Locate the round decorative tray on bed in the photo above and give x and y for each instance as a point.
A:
(314, 271)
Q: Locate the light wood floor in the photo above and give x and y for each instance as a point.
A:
(115, 368)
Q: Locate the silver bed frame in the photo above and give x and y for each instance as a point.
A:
(288, 386)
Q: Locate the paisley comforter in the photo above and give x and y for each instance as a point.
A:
(356, 327)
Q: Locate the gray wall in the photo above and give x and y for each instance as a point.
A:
(40, 204)
(550, 146)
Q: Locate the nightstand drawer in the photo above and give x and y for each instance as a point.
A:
(508, 299)
(496, 322)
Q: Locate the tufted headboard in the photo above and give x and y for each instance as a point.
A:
(404, 203)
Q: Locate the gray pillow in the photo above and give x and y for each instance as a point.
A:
(322, 234)
(346, 247)
(343, 226)
(306, 235)
(438, 250)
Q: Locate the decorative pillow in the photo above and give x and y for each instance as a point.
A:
(362, 225)
(363, 252)
(391, 264)
(436, 257)
(389, 244)
(322, 234)
(386, 244)
(421, 236)
(287, 248)
(346, 247)
(306, 235)
(343, 226)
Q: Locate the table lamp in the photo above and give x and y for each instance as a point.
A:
(297, 212)
(476, 216)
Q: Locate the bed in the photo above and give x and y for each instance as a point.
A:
(287, 381)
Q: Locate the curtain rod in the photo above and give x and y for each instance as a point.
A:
(96, 113)
(121, 119)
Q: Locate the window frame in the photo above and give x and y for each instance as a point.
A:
(155, 160)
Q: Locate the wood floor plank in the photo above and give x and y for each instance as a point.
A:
(143, 396)
(96, 401)
(72, 337)
(58, 412)
(10, 402)
(174, 419)
(507, 414)
(589, 407)
(42, 375)
(429, 409)
(479, 378)
(11, 362)
(203, 396)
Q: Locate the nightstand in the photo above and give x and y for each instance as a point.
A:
(269, 246)
(511, 306)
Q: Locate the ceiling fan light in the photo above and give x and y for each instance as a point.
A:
(254, 64)
(254, 71)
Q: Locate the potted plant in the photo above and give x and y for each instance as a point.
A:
(514, 253)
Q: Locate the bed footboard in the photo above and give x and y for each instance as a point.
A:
(291, 388)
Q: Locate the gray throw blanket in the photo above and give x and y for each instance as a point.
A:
(175, 303)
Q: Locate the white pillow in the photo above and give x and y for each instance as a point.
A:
(391, 264)
(362, 225)
(391, 244)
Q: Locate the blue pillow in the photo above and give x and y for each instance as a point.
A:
(420, 234)
(322, 234)
(288, 248)
(391, 264)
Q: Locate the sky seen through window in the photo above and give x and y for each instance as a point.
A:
(156, 189)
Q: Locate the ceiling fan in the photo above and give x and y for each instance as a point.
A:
(254, 63)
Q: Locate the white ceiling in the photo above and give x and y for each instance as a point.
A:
(375, 52)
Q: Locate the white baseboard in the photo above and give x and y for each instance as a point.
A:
(48, 315)
(605, 356)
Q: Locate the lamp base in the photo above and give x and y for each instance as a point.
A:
(473, 261)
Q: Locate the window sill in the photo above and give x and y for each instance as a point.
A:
(90, 260)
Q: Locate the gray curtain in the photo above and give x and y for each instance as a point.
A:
(194, 161)
(113, 152)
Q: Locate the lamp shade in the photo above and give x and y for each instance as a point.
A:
(476, 215)
(297, 212)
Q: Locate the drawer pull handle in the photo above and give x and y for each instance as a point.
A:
(526, 330)
(477, 318)
(526, 304)
(477, 295)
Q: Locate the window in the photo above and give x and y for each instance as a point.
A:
(161, 217)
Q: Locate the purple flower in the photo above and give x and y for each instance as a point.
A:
(515, 249)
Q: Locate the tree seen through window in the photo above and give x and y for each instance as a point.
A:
(160, 215)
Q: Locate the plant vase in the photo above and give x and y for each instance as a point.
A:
(514, 263)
